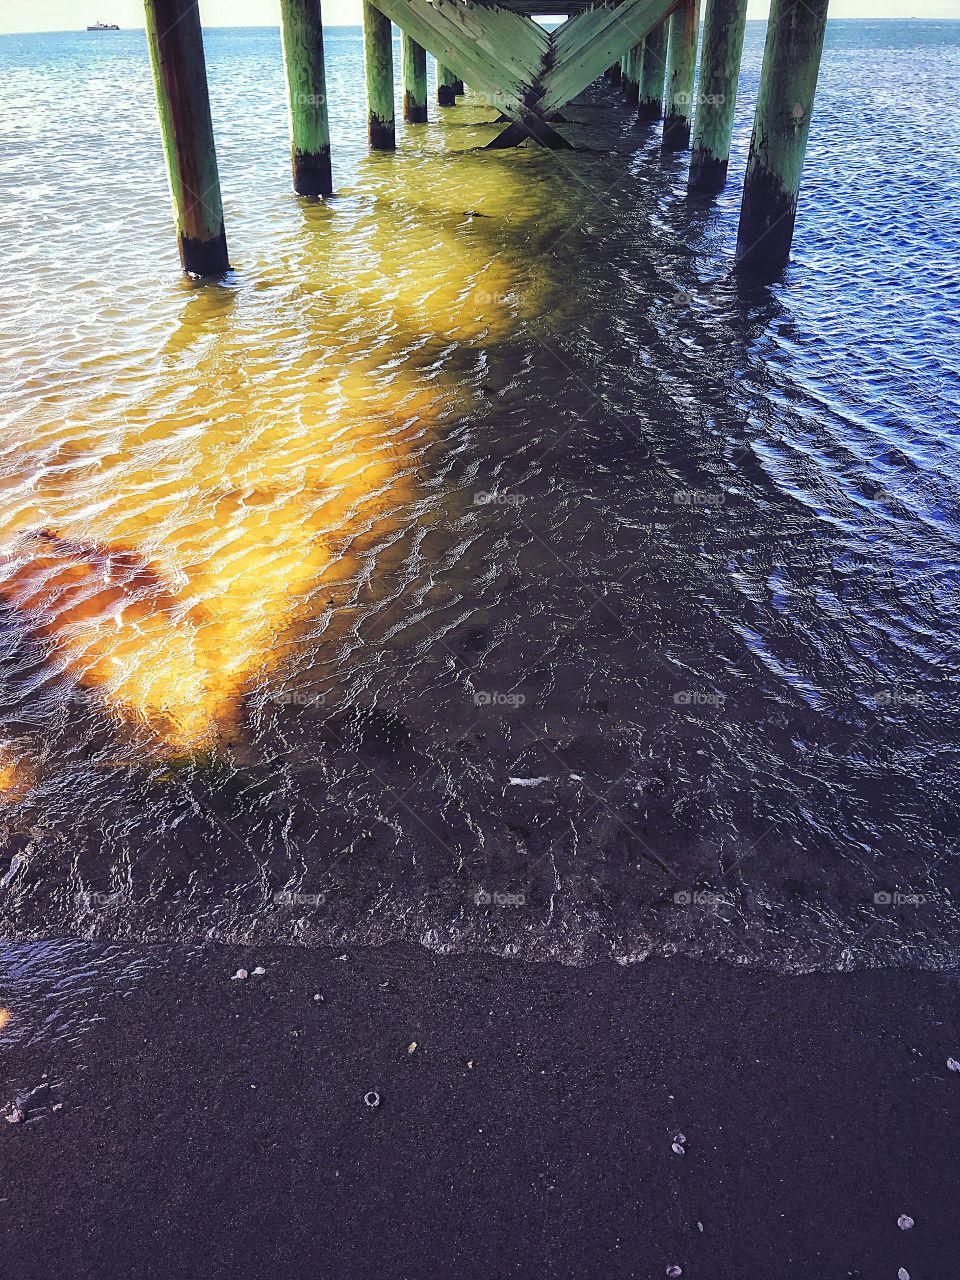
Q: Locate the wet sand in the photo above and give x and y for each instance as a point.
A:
(214, 1127)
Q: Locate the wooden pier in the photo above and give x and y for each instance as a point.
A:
(648, 47)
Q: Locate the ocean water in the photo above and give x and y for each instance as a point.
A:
(480, 564)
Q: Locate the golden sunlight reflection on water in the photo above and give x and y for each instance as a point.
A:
(164, 536)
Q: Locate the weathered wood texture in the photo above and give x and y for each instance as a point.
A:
(653, 66)
(175, 40)
(446, 86)
(378, 53)
(781, 126)
(682, 36)
(723, 28)
(301, 28)
(414, 81)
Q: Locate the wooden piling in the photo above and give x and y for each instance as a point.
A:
(630, 74)
(446, 86)
(650, 77)
(682, 33)
(723, 28)
(302, 31)
(175, 40)
(458, 87)
(788, 82)
(414, 81)
(378, 54)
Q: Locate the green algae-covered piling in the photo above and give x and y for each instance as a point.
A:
(180, 77)
(446, 86)
(650, 74)
(414, 81)
(378, 53)
(723, 28)
(788, 82)
(630, 73)
(302, 30)
(683, 30)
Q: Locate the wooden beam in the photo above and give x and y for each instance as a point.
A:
(781, 126)
(723, 28)
(683, 31)
(175, 40)
(301, 28)
(414, 80)
(378, 55)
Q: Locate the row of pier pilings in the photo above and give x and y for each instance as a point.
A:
(658, 76)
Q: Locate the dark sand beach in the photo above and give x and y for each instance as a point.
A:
(217, 1127)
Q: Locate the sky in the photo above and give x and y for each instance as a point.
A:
(71, 15)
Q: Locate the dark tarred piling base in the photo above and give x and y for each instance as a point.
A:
(205, 258)
(458, 88)
(312, 175)
(766, 227)
(649, 110)
(383, 134)
(446, 96)
(676, 133)
(613, 73)
(707, 173)
(414, 112)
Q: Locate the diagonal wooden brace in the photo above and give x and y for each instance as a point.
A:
(523, 70)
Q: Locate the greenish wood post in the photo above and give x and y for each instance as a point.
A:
(653, 61)
(446, 86)
(723, 28)
(301, 27)
(630, 74)
(175, 39)
(788, 83)
(378, 54)
(414, 81)
(683, 30)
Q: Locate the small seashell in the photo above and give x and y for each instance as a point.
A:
(259, 970)
(241, 973)
(903, 1274)
(953, 1064)
(674, 1270)
(676, 1147)
(15, 1116)
(372, 1099)
(412, 1047)
(904, 1222)
(678, 1137)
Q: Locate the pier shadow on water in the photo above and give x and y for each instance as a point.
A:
(480, 565)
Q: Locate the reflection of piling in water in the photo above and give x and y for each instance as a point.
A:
(531, 74)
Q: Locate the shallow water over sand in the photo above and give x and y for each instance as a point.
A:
(480, 564)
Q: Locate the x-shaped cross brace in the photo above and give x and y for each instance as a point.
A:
(528, 73)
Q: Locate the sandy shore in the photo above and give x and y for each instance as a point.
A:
(214, 1127)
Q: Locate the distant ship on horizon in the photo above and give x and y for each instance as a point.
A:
(104, 26)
